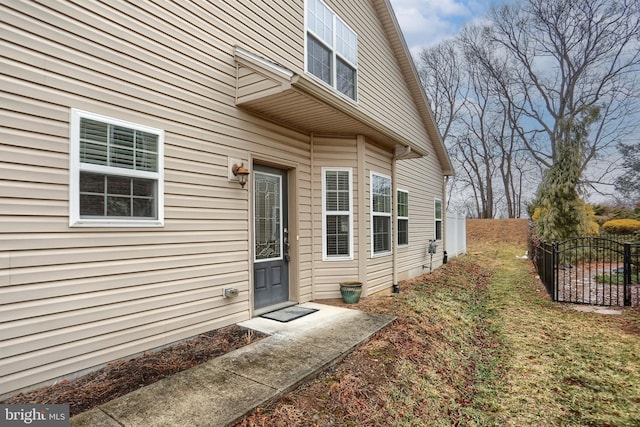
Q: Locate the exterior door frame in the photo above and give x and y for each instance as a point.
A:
(292, 202)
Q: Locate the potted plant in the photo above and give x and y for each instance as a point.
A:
(351, 291)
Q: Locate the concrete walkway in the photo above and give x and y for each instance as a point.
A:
(225, 389)
(595, 309)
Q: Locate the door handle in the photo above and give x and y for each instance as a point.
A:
(287, 245)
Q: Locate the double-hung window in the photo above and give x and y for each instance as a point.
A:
(116, 174)
(437, 217)
(380, 213)
(403, 218)
(331, 49)
(337, 213)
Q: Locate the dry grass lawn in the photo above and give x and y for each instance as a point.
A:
(478, 343)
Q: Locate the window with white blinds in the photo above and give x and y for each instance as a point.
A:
(116, 172)
(380, 214)
(337, 213)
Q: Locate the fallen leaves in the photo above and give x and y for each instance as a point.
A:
(123, 376)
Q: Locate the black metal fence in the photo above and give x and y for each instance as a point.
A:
(589, 270)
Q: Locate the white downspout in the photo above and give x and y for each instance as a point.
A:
(362, 214)
(398, 155)
(445, 181)
(313, 213)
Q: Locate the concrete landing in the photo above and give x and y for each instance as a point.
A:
(596, 309)
(225, 389)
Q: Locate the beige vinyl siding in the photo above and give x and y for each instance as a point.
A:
(378, 270)
(331, 153)
(302, 247)
(70, 298)
(423, 179)
(379, 267)
(253, 85)
(75, 298)
(382, 89)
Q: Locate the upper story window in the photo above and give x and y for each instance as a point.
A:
(337, 209)
(380, 213)
(332, 49)
(116, 174)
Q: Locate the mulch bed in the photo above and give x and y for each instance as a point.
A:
(123, 376)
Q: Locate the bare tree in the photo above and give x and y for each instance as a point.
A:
(476, 118)
(441, 75)
(479, 146)
(442, 79)
(565, 56)
(462, 104)
(503, 93)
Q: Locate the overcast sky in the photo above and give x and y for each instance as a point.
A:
(426, 22)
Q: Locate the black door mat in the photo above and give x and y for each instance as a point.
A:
(289, 313)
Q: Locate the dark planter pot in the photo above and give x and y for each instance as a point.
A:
(351, 291)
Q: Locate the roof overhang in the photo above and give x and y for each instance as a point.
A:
(271, 91)
(394, 35)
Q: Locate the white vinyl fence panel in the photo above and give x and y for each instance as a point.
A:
(455, 235)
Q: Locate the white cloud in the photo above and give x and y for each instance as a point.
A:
(427, 22)
(436, 7)
(420, 31)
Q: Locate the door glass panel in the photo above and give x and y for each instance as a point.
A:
(267, 206)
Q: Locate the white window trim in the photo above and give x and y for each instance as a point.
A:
(374, 214)
(399, 190)
(435, 220)
(334, 54)
(75, 167)
(326, 257)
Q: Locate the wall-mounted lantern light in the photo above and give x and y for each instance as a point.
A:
(241, 173)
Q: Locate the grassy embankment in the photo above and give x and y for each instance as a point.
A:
(559, 366)
(478, 343)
